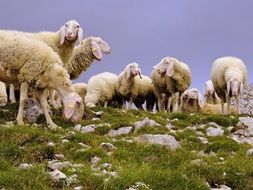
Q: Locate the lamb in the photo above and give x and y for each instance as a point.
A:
(90, 49)
(229, 75)
(30, 62)
(101, 89)
(126, 86)
(3, 94)
(210, 95)
(170, 76)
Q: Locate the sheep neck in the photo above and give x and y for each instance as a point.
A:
(82, 59)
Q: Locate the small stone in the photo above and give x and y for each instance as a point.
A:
(221, 158)
(59, 165)
(107, 146)
(250, 152)
(95, 119)
(106, 166)
(86, 129)
(146, 122)
(64, 141)
(95, 160)
(84, 145)
(57, 175)
(211, 131)
(59, 156)
(77, 165)
(120, 131)
(78, 188)
(25, 166)
(50, 144)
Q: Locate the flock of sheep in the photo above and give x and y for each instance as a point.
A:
(42, 65)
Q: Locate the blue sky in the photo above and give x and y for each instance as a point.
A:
(143, 31)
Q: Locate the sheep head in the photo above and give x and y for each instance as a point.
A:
(132, 70)
(192, 94)
(166, 66)
(71, 31)
(234, 87)
(209, 88)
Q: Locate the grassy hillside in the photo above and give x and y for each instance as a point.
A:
(194, 165)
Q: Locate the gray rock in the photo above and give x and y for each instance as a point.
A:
(222, 187)
(120, 131)
(145, 122)
(250, 152)
(57, 175)
(54, 165)
(85, 129)
(165, 140)
(25, 166)
(247, 121)
(78, 188)
(50, 144)
(64, 141)
(94, 161)
(32, 110)
(139, 186)
(59, 156)
(211, 131)
(107, 146)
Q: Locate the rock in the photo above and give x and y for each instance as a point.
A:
(107, 146)
(94, 161)
(139, 186)
(166, 140)
(99, 113)
(213, 132)
(145, 122)
(72, 179)
(50, 144)
(77, 165)
(203, 140)
(250, 152)
(64, 141)
(246, 100)
(32, 110)
(58, 165)
(247, 121)
(25, 166)
(85, 129)
(84, 145)
(78, 188)
(120, 131)
(57, 175)
(222, 187)
(59, 156)
(106, 166)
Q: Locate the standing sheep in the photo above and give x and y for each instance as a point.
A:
(101, 89)
(31, 62)
(3, 94)
(210, 95)
(169, 76)
(229, 75)
(126, 86)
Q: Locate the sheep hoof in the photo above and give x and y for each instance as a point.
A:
(52, 126)
(20, 122)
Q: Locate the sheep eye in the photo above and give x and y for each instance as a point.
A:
(77, 26)
(66, 25)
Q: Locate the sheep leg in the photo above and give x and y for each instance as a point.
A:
(51, 99)
(44, 105)
(12, 94)
(105, 104)
(58, 102)
(130, 106)
(222, 106)
(238, 105)
(228, 100)
(23, 96)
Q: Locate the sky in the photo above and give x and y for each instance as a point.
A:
(144, 31)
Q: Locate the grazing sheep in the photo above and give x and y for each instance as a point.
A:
(169, 76)
(30, 62)
(90, 49)
(229, 75)
(126, 86)
(100, 90)
(3, 94)
(210, 95)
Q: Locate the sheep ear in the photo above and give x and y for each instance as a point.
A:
(241, 87)
(69, 107)
(63, 34)
(170, 69)
(199, 99)
(228, 86)
(128, 72)
(80, 34)
(96, 50)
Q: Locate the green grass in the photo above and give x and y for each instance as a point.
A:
(156, 166)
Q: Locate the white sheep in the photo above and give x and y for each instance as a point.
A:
(229, 75)
(3, 94)
(170, 76)
(90, 49)
(30, 62)
(100, 90)
(210, 95)
(125, 84)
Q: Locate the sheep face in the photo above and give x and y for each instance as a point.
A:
(105, 48)
(192, 94)
(234, 87)
(166, 66)
(71, 31)
(133, 69)
(209, 88)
